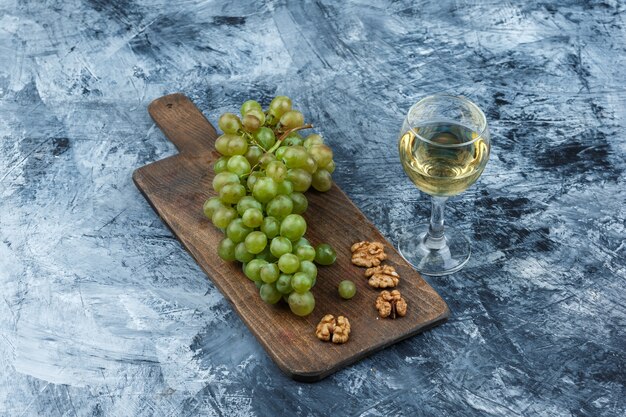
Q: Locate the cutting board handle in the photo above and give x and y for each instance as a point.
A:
(183, 124)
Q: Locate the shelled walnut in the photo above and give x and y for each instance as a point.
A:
(391, 304)
(368, 254)
(336, 330)
(325, 328)
(382, 276)
(342, 330)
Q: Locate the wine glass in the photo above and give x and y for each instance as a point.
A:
(444, 146)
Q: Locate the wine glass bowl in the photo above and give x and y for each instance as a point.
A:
(444, 147)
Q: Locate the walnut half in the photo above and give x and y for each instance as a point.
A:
(382, 276)
(368, 254)
(325, 328)
(336, 330)
(342, 330)
(391, 304)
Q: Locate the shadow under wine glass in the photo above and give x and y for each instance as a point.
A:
(444, 147)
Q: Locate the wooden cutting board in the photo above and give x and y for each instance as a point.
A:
(177, 186)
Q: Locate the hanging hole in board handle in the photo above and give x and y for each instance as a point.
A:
(183, 124)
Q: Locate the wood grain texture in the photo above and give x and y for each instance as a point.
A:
(177, 186)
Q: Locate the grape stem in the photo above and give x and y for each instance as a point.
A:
(255, 166)
(277, 144)
(287, 133)
(253, 140)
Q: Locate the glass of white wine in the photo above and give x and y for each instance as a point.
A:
(444, 146)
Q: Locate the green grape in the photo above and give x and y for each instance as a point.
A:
(301, 282)
(252, 217)
(270, 294)
(308, 268)
(224, 178)
(285, 188)
(325, 254)
(313, 139)
(300, 203)
(294, 139)
(322, 181)
(253, 154)
(257, 284)
(265, 189)
(232, 193)
(222, 144)
(300, 179)
(266, 159)
(226, 249)
(211, 205)
(252, 179)
(288, 263)
(237, 146)
(248, 202)
(223, 216)
(253, 269)
(292, 119)
(276, 170)
(303, 241)
(258, 113)
(270, 273)
(322, 155)
(239, 165)
(347, 289)
(280, 246)
(265, 137)
(330, 167)
(241, 254)
(220, 164)
(237, 231)
(280, 152)
(283, 284)
(293, 227)
(279, 106)
(301, 304)
(311, 165)
(271, 227)
(248, 105)
(266, 255)
(229, 123)
(305, 253)
(250, 123)
(255, 242)
(279, 207)
(295, 157)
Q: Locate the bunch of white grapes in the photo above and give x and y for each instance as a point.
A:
(264, 169)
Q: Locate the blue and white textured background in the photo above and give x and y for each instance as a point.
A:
(103, 313)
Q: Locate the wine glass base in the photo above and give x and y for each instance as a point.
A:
(444, 257)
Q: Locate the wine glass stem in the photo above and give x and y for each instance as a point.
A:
(435, 238)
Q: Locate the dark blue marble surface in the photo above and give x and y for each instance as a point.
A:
(103, 313)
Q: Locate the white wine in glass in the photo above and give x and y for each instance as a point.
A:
(444, 146)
